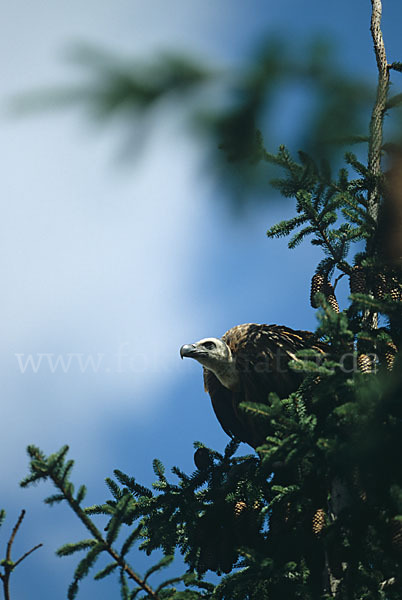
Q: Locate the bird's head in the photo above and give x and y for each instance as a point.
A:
(215, 355)
(209, 352)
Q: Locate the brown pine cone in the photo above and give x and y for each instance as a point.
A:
(357, 281)
(389, 360)
(239, 507)
(318, 521)
(365, 363)
(227, 556)
(380, 286)
(317, 285)
(209, 557)
(202, 459)
(385, 283)
(394, 289)
(331, 298)
(390, 354)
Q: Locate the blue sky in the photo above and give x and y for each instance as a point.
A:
(130, 263)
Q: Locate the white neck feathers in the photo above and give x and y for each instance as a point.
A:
(227, 373)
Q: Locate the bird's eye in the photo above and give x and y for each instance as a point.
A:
(209, 345)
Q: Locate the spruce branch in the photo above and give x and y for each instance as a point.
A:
(54, 469)
(336, 253)
(396, 66)
(8, 564)
(252, 518)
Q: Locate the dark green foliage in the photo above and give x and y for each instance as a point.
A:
(118, 86)
(333, 447)
(68, 549)
(316, 513)
(132, 503)
(394, 101)
(255, 513)
(106, 571)
(332, 211)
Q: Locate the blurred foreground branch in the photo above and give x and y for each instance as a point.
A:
(226, 106)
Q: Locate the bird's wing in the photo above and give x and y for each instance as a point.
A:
(262, 354)
(224, 403)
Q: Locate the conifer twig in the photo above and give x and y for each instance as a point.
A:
(13, 534)
(341, 264)
(58, 482)
(24, 556)
(8, 563)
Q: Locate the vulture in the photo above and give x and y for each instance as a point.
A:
(248, 363)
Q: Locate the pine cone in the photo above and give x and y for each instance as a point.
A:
(389, 360)
(239, 507)
(317, 285)
(365, 363)
(357, 281)
(387, 284)
(318, 521)
(331, 298)
(209, 558)
(227, 556)
(202, 459)
(380, 286)
(390, 354)
(394, 289)
(396, 534)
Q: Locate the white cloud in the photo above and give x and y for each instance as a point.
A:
(93, 265)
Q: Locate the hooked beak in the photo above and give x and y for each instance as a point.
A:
(188, 350)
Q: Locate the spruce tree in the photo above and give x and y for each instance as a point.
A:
(316, 512)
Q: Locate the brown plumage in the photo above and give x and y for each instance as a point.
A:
(248, 363)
